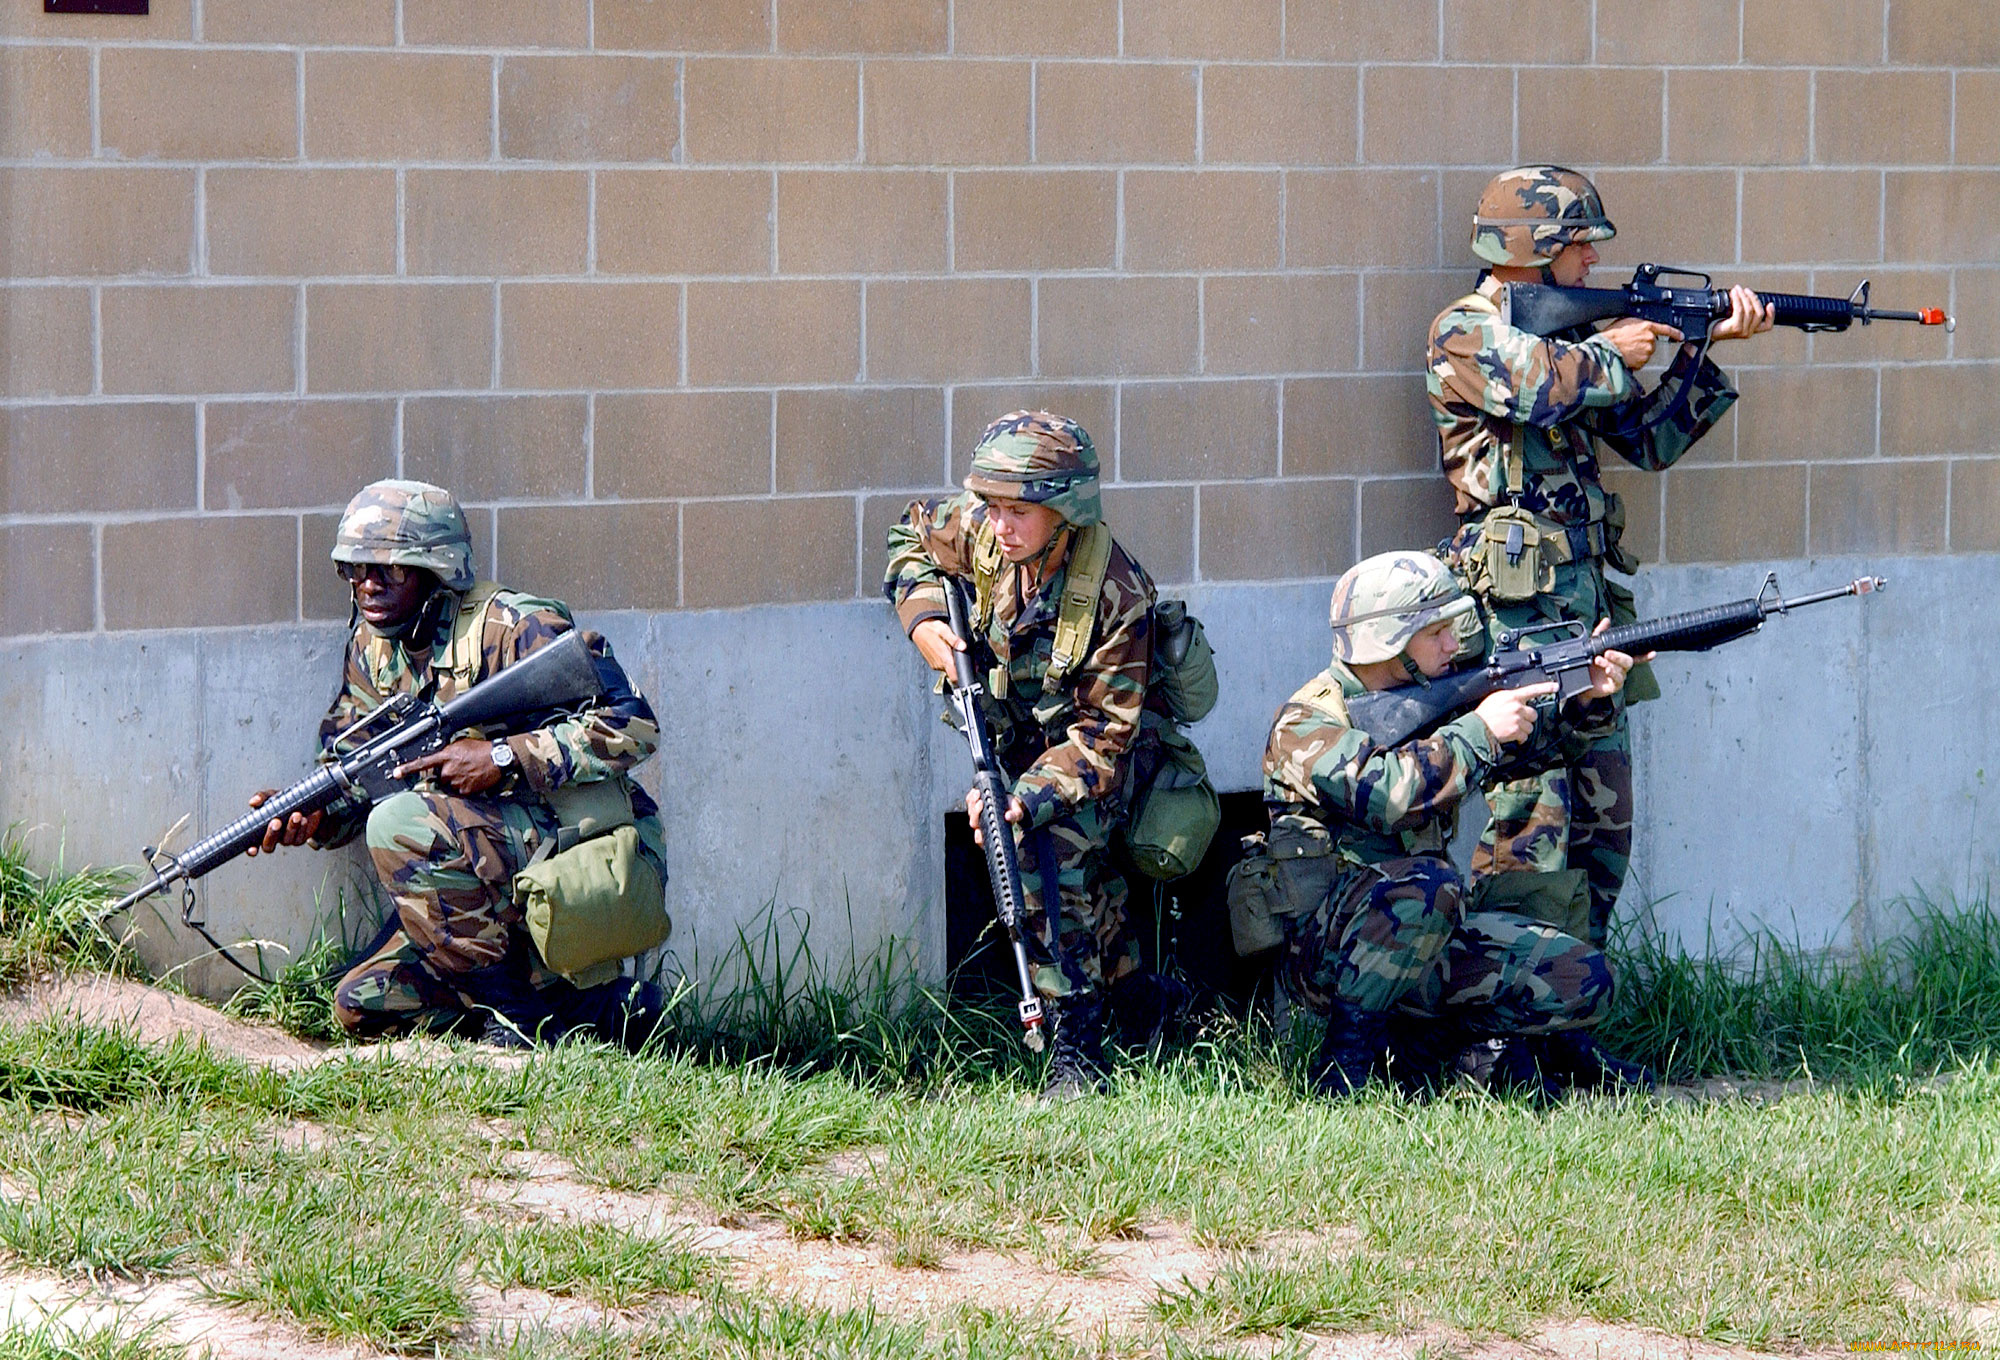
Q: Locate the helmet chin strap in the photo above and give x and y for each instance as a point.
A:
(423, 624)
(1410, 668)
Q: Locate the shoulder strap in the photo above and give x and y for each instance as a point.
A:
(461, 656)
(986, 560)
(1089, 555)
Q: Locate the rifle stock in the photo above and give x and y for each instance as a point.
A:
(995, 833)
(1390, 717)
(557, 676)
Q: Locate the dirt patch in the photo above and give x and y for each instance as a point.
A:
(156, 1017)
(175, 1307)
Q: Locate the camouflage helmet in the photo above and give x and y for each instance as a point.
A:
(1385, 600)
(409, 524)
(1529, 213)
(1039, 457)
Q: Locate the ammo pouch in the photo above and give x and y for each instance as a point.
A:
(589, 897)
(1507, 563)
(1560, 898)
(1176, 812)
(1183, 663)
(1286, 873)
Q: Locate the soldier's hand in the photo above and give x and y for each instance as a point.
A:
(1509, 714)
(1016, 810)
(1635, 340)
(465, 766)
(937, 642)
(1608, 672)
(296, 829)
(1748, 315)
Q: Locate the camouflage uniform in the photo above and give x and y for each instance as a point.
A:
(448, 860)
(1394, 932)
(1496, 393)
(1069, 756)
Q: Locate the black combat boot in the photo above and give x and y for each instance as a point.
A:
(518, 1016)
(623, 1011)
(1572, 1059)
(1147, 1007)
(1076, 1059)
(1506, 1066)
(1423, 1052)
(1352, 1050)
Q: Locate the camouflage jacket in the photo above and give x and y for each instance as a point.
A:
(1084, 752)
(1485, 378)
(608, 739)
(1379, 804)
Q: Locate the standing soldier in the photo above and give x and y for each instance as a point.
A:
(1393, 936)
(1026, 529)
(1520, 419)
(447, 849)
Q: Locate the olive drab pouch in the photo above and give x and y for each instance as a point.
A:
(1285, 872)
(1640, 682)
(1560, 898)
(589, 897)
(1183, 663)
(1508, 561)
(1175, 813)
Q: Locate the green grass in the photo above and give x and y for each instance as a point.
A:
(849, 1108)
(59, 1340)
(48, 920)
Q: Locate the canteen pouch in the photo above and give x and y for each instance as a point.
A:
(1509, 556)
(1183, 663)
(1560, 898)
(1176, 814)
(590, 898)
(1284, 873)
(1640, 682)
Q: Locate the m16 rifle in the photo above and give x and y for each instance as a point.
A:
(1562, 652)
(1683, 299)
(996, 835)
(559, 675)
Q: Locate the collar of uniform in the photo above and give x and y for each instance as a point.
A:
(1345, 678)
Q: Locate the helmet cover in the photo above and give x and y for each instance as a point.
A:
(1529, 213)
(1041, 458)
(1384, 601)
(408, 524)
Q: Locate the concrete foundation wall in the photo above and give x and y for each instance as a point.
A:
(1800, 779)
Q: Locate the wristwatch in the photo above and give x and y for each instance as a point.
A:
(503, 756)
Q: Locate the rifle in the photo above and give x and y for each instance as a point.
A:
(556, 676)
(1550, 309)
(997, 836)
(1390, 717)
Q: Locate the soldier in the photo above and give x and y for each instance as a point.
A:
(1520, 419)
(1393, 937)
(447, 849)
(1064, 728)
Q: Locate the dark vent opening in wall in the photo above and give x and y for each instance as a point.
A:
(95, 6)
(1183, 927)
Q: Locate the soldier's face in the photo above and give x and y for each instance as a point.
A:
(386, 603)
(1571, 265)
(1022, 528)
(1434, 647)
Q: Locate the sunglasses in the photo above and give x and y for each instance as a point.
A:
(389, 574)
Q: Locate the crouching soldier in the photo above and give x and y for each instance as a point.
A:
(456, 950)
(1393, 937)
(1027, 529)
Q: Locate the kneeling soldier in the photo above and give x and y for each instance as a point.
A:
(447, 849)
(1394, 936)
(1064, 725)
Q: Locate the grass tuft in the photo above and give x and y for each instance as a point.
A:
(49, 921)
(1919, 1003)
(56, 1339)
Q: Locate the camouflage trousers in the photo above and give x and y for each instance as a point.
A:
(448, 863)
(1575, 812)
(1396, 936)
(1068, 863)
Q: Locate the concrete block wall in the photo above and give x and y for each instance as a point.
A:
(730, 280)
